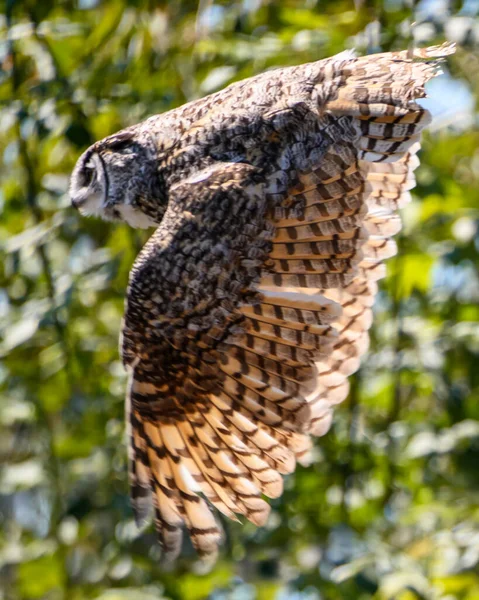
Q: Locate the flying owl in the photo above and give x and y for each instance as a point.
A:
(274, 203)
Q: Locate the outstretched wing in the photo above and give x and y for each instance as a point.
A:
(185, 287)
(250, 306)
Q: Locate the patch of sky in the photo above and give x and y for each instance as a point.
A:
(211, 17)
(450, 102)
(87, 4)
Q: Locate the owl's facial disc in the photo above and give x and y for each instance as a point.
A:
(117, 179)
(89, 185)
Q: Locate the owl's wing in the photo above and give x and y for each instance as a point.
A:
(266, 305)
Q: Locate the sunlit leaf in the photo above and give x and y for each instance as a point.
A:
(40, 577)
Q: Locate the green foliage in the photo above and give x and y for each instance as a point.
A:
(389, 509)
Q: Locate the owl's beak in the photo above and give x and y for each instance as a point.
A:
(89, 184)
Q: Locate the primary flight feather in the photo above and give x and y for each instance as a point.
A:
(274, 202)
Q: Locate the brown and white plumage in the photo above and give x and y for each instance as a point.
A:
(275, 205)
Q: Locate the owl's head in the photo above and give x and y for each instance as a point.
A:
(117, 179)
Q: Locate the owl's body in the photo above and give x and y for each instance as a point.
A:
(249, 306)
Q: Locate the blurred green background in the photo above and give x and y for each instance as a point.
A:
(389, 509)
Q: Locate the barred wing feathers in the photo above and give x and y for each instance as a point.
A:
(290, 344)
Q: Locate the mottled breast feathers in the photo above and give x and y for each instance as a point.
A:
(275, 204)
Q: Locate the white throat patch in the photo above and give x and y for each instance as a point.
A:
(93, 206)
(135, 217)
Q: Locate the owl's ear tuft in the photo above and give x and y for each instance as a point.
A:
(119, 141)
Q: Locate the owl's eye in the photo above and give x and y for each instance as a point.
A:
(88, 175)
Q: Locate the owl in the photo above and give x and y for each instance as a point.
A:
(275, 203)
